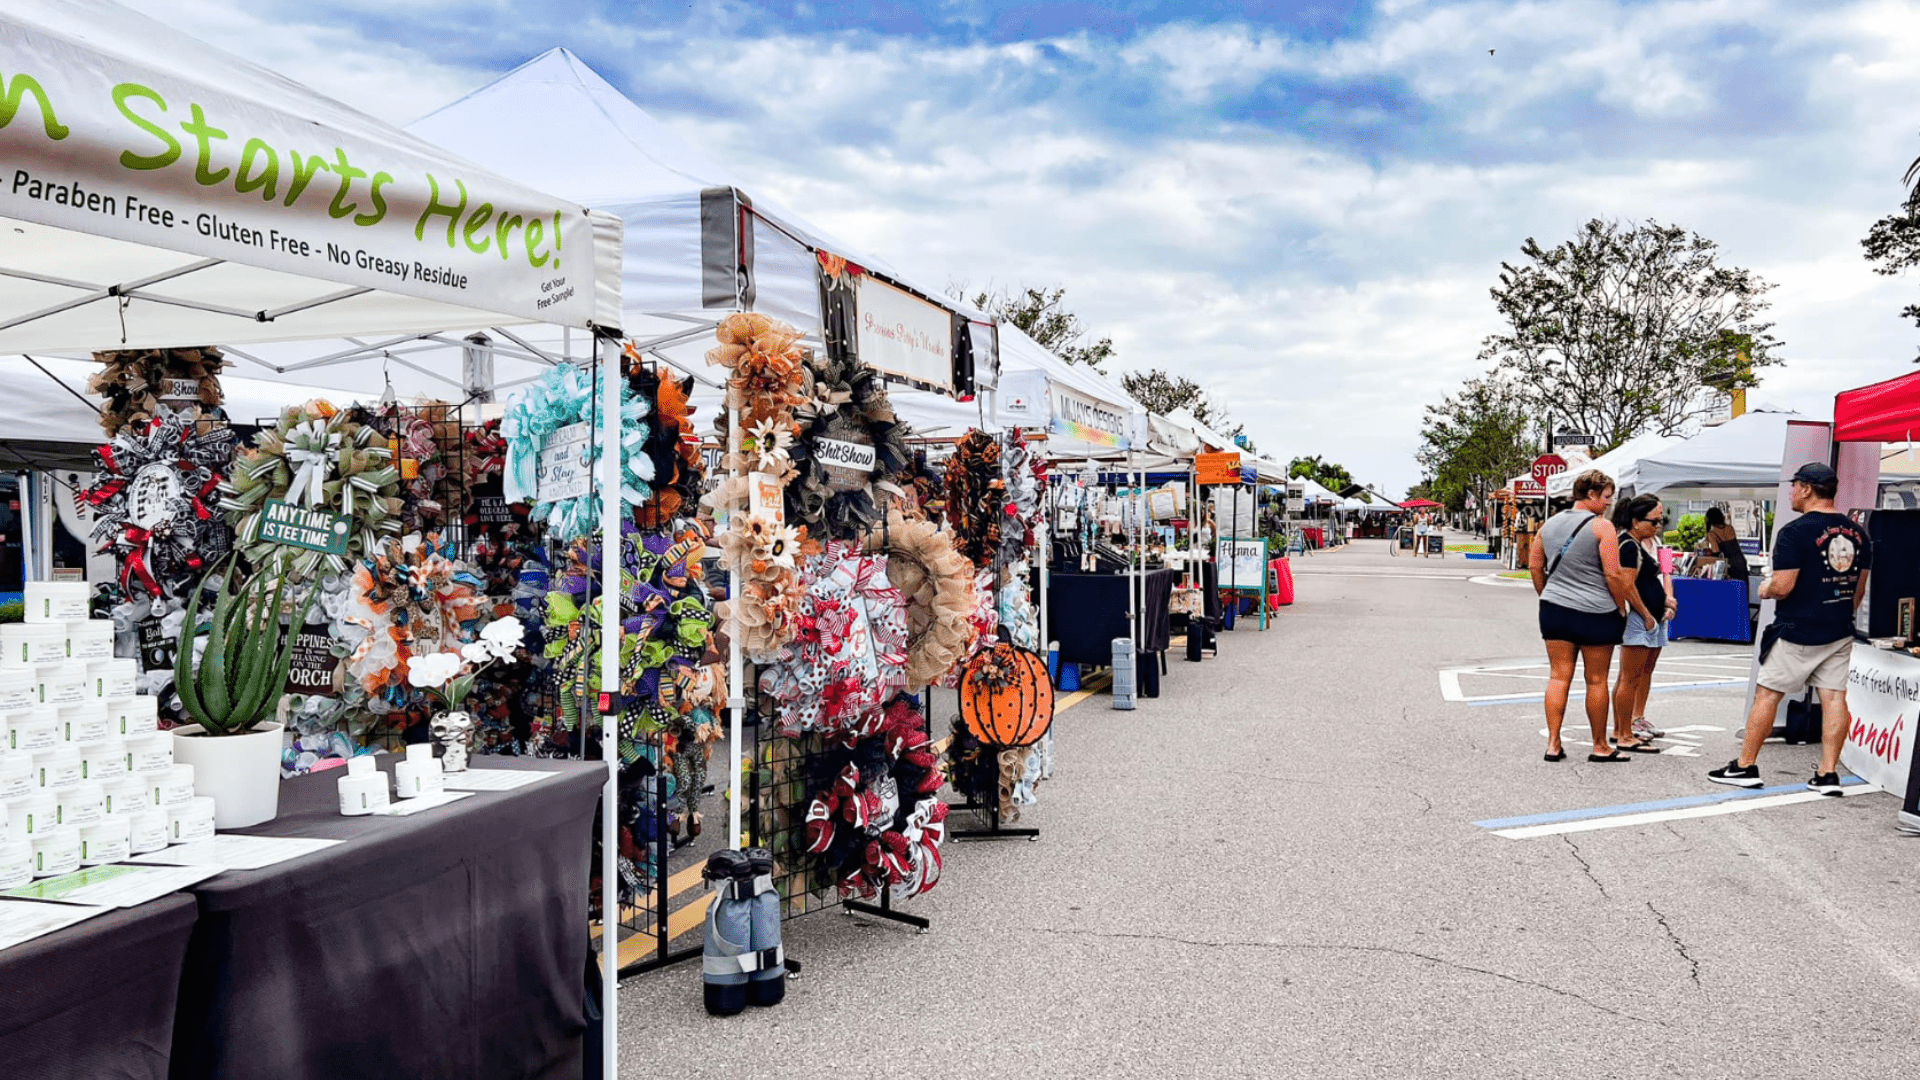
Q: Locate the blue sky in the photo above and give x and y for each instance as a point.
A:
(1300, 205)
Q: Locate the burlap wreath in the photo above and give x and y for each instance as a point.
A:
(976, 497)
(938, 586)
(849, 405)
(142, 384)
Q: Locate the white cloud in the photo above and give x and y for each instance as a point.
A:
(1328, 282)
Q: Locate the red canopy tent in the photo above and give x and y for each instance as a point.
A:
(1420, 504)
(1883, 412)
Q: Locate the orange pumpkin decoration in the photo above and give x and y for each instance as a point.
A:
(1006, 698)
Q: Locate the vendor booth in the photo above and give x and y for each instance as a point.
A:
(1883, 685)
(207, 219)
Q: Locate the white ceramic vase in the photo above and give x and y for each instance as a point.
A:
(240, 773)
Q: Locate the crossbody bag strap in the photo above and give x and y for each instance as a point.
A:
(1571, 537)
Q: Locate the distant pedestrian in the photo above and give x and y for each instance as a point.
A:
(1819, 576)
(1575, 562)
(1650, 605)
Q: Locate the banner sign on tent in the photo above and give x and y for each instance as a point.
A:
(254, 173)
(1217, 468)
(1082, 418)
(903, 335)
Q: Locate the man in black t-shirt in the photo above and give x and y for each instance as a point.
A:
(1820, 563)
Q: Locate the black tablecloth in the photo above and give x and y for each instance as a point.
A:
(1085, 612)
(95, 999)
(446, 944)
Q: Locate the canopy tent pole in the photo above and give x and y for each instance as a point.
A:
(610, 705)
(736, 668)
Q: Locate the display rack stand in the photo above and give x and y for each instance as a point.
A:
(884, 910)
(664, 954)
(994, 830)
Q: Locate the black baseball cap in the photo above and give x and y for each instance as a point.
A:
(1817, 474)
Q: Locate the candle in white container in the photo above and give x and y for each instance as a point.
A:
(150, 753)
(134, 715)
(34, 730)
(103, 759)
(82, 804)
(85, 722)
(419, 774)
(32, 645)
(55, 602)
(16, 863)
(104, 841)
(171, 788)
(16, 775)
(28, 817)
(56, 851)
(90, 639)
(148, 830)
(363, 794)
(110, 678)
(190, 821)
(63, 683)
(57, 768)
(19, 689)
(128, 795)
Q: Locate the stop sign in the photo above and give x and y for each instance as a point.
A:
(1548, 465)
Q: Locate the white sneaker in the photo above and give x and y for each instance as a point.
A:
(1643, 729)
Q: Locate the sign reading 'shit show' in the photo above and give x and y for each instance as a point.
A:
(300, 527)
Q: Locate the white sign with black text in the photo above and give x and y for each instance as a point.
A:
(901, 334)
(564, 472)
(1883, 696)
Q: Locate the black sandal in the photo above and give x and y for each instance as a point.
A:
(1605, 758)
(1561, 756)
(1640, 748)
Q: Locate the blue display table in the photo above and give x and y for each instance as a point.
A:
(1716, 610)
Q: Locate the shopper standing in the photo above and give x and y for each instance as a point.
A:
(1650, 605)
(1575, 562)
(1819, 576)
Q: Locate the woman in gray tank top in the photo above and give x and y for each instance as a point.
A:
(1575, 562)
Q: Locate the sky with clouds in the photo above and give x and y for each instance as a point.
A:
(1300, 205)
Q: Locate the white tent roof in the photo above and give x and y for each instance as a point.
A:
(1743, 453)
(1613, 462)
(108, 239)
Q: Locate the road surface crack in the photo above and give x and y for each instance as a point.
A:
(1679, 946)
(1586, 866)
(1286, 946)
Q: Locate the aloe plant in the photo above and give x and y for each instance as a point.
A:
(243, 672)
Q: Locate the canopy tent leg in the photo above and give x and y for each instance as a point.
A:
(611, 505)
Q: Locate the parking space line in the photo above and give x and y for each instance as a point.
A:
(1710, 804)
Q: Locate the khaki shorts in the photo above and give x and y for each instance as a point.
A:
(1791, 667)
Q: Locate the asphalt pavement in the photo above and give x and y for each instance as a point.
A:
(1274, 870)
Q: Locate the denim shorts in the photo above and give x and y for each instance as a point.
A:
(1641, 635)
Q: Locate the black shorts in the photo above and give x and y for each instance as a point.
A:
(1580, 627)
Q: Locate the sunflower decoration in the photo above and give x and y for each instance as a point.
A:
(146, 384)
(977, 497)
(314, 458)
(555, 417)
(671, 445)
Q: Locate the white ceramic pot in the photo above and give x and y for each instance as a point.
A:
(240, 773)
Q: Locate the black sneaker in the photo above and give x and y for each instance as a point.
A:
(1826, 783)
(1733, 775)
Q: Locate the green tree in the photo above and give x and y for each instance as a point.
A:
(1045, 319)
(1623, 328)
(1330, 475)
(1474, 441)
(1893, 243)
(1162, 393)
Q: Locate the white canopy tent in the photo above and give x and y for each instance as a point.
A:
(1739, 459)
(1614, 462)
(165, 194)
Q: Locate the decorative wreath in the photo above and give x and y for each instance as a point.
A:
(315, 457)
(983, 615)
(976, 497)
(1025, 479)
(924, 490)
(154, 503)
(767, 380)
(145, 384)
(671, 444)
(850, 407)
(413, 437)
(850, 654)
(485, 456)
(938, 587)
(567, 395)
(410, 599)
(874, 819)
